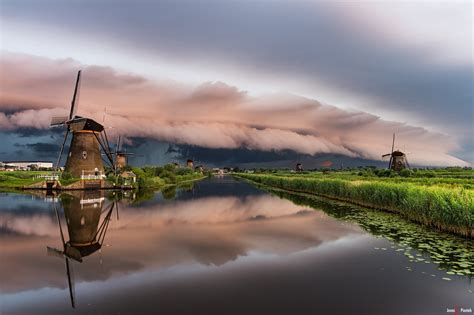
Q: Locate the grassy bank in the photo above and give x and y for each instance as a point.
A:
(445, 208)
(18, 179)
(159, 177)
(451, 253)
(149, 177)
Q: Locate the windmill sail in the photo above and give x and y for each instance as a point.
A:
(56, 252)
(58, 121)
(75, 97)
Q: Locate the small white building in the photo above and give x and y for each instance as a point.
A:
(27, 165)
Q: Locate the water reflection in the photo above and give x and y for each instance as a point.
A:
(83, 211)
(419, 244)
(205, 246)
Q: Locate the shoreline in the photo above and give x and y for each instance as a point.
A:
(284, 184)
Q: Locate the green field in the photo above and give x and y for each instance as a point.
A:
(18, 179)
(442, 199)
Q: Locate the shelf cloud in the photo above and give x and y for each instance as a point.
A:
(210, 115)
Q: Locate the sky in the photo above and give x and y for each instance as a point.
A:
(282, 80)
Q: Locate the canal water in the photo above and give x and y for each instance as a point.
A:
(222, 246)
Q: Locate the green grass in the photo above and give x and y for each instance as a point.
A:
(18, 179)
(150, 177)
(448, 206)
(147, 177)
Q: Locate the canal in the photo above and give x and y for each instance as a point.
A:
(222, 246)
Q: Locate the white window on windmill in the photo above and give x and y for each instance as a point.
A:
(84, 155)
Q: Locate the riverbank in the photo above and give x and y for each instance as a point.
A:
(16, 180)
(446, 209)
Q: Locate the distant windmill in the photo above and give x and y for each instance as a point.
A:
(86, 236)
(121, 157)
(398, 160)
(88, 138)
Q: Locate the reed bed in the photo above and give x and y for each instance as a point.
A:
(447, 209)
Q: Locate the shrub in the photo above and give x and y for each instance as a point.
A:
(406, 172)
(66, 176)
(184, 171)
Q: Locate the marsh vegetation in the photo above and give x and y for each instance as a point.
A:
(443, 199)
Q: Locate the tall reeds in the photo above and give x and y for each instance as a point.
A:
(448, 209)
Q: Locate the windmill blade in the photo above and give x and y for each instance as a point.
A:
(117, 209)
(117, 146)
(75, 97)
(59, 223)
(58, 121)
(54, 252)
(70, 280)
(386, 155)
(393, 142)
(62, 148)
(119, 143)
(390, 162)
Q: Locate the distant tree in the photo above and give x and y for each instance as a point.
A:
(170, 167)
(184, 171)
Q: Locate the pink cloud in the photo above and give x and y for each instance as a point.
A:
(213, 114)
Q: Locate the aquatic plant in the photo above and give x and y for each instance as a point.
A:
(451, 253)
(448, 209)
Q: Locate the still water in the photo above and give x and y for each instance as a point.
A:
(222, 247)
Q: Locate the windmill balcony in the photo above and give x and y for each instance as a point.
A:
(92, 175)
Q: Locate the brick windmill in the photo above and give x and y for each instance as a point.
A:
(121, 156)
(398, 159)
(88, 140)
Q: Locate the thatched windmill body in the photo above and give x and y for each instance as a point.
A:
(88, 140)
(398, 160)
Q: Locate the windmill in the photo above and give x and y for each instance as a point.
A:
(121, 157)
(86, 236)
(398, 159)
(88, 139)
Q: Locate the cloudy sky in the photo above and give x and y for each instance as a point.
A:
(282, 80)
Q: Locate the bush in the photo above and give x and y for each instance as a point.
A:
(184, 171)
(159, 170)
(406, 172)
(66, 176)
(169, 177)
(170, 167)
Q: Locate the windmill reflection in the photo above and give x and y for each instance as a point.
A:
(87, 218)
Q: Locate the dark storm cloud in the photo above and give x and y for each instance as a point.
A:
(313, 42)
(230, 156)
(245, 158)
(43, 148)
(31, 144)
